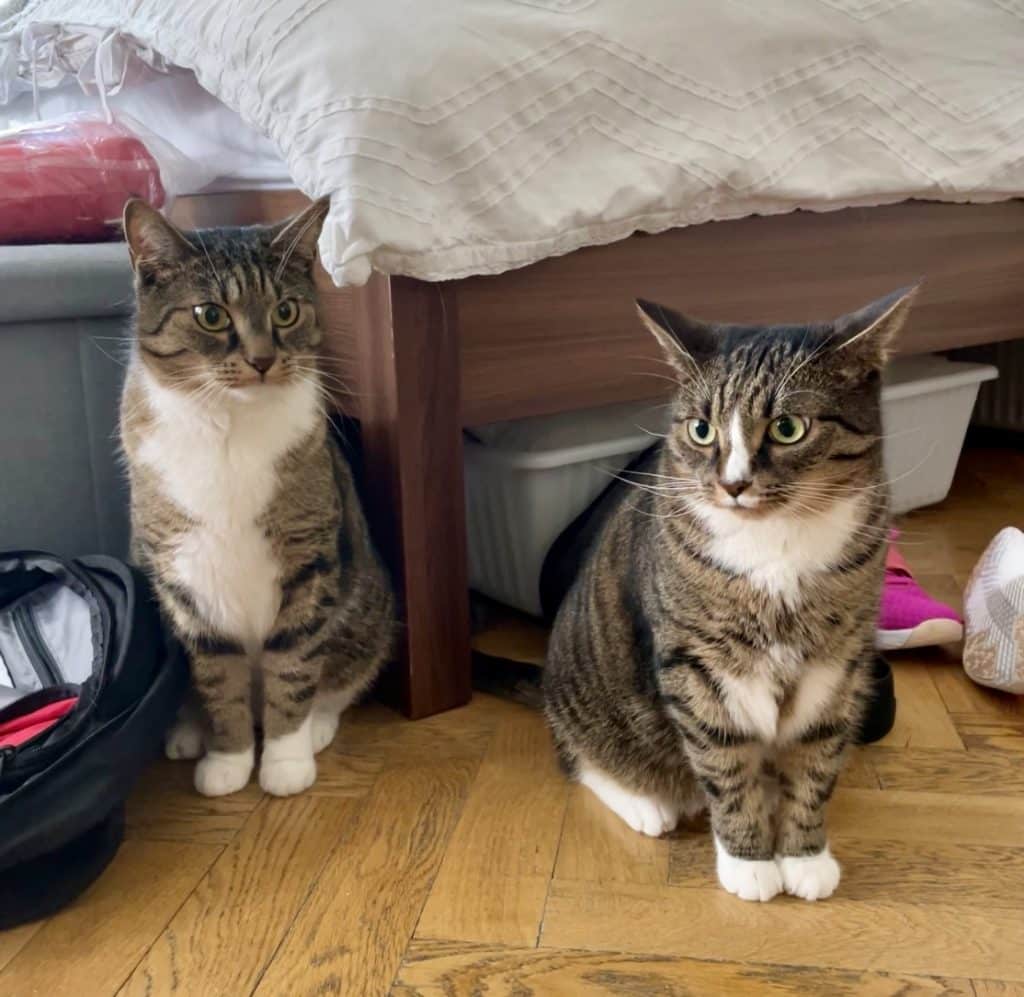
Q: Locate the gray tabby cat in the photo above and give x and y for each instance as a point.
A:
(715, 648)
(244, 513)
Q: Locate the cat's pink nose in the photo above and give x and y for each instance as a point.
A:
(262, 364)
(734, 488)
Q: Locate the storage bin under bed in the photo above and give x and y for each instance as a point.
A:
(66, 310)
(527, 479)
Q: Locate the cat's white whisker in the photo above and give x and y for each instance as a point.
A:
(303, 228)
(213, 270)
(120, 361)
(816, 352)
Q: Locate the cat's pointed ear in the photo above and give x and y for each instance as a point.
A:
(681, 338)
(865, 337)
(152, 238)
(297, 236)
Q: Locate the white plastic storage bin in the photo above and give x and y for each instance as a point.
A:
(926, 406)
(526, 480)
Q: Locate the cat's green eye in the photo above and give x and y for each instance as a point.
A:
(701, 432)
(211, 317)
(286, 313)
(788, 429)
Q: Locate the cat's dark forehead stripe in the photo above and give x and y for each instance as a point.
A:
(754, 361)
(734, 336)
(246, 271)
(234, 264)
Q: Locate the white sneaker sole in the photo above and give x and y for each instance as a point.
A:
(927, 634)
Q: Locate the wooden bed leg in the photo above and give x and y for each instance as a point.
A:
(409, 404)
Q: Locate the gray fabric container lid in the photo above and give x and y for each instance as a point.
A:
(90, 280)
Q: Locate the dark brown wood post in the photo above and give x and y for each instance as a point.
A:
(407, 356)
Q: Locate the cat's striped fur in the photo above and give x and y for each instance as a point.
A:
(716, 646)
(244, 513)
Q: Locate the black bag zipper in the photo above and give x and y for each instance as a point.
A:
(38, 653)
(28, 758)
(22, 760)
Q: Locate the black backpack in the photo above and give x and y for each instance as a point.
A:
(89, 682)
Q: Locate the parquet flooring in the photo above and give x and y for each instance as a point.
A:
(449, 857)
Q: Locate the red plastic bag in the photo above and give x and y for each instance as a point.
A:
(67, 180)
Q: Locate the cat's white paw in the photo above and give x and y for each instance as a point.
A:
(287, 766)
(812, 877)
(649, 815)
(748, 879)
(326, 713)
(223, 772)
(184, 741)
(287, 776)
(324, 727)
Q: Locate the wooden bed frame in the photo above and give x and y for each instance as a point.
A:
(422, 361)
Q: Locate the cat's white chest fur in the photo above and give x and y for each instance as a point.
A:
(217, 463)
(756, 704)
(778, 553)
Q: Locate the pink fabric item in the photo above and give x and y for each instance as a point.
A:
(905, 604)
(24, 728)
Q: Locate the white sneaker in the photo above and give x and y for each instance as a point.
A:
(994, 615)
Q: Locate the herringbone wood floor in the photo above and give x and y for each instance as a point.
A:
(449, 857)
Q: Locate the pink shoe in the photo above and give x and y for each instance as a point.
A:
(909, 616)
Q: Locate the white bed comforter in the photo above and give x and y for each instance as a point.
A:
(472, 136)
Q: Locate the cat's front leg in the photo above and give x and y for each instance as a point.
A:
(731, 775)
(808, 769)
(290, 682)
(222, 679)
(185, 738)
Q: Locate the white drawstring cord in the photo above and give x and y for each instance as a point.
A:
(99, 79)
(35, 79)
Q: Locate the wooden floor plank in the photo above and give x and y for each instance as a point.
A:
(997, 988)
(345, 774)
(511, 636)
(927, 817)
(881, 869)
(859, 770)
(981, 733)
(710, 924)
(989, 773)
(376, 733)
(922, 720)
(598, 845)
(165, 807)
(961, 695)
(350, 936)
(495, 876)
(458, 969)
(92, 946)
(14, 940)
(246, 902)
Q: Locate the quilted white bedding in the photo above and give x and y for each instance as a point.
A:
(475, 136)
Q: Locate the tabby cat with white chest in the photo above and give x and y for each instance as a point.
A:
(244, 513)
(715, 649)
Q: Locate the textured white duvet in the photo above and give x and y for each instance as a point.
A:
(475, 136)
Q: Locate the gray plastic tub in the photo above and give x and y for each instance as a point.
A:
(64, 309)
(528, 479)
